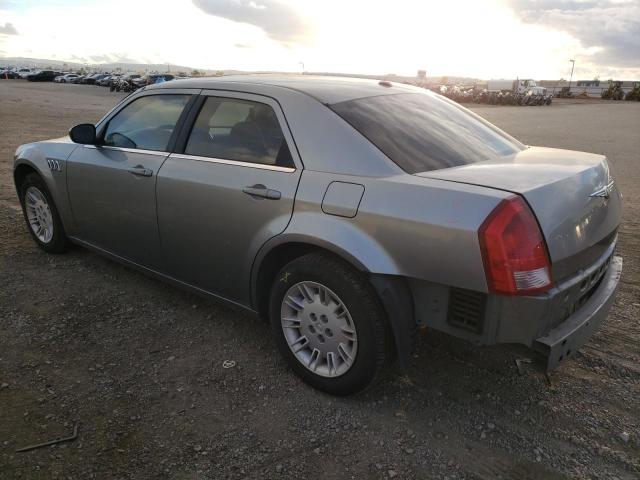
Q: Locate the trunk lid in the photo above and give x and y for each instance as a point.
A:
(572, 194)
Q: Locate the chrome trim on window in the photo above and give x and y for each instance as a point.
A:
(130, 150)
(237, 163)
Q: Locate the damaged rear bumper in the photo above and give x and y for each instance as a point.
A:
(555, 324)
(566, 338)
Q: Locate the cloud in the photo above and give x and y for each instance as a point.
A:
(112, 58)
(610, 28)
(8, 29)
(104, 58)
(279, 20)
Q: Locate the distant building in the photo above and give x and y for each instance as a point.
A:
(593, 88)
(588, 83)
(422, 74)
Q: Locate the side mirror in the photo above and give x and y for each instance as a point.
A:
(84, 133)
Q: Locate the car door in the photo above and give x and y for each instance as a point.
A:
(112, 186)
(229, 191)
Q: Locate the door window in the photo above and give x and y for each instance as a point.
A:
(146, 123)
(234, 129)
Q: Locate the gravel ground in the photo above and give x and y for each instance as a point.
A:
(138, 365)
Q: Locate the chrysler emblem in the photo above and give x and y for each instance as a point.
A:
(605, 191)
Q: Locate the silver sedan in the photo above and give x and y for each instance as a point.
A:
(345, 212)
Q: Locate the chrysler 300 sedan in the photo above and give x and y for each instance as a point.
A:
(346, 212)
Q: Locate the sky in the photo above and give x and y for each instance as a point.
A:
(474, 38)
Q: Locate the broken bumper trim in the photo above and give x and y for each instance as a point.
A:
(564, 340)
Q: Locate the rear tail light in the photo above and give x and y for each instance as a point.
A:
(514, 252)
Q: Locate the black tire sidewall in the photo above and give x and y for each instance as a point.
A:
(363, 305)
(58, 242)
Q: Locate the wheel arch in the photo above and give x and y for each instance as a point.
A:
(393, 291)
(34, 158)
(271, 259)
(21, 170)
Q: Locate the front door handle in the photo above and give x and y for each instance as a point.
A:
(261, 191)
(140, 170)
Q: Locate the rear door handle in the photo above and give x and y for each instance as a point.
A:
(261, 191)
(140, 170)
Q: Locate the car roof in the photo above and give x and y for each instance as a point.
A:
(327, 90)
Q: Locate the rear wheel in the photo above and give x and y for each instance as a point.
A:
(328, 323)
(41, 215)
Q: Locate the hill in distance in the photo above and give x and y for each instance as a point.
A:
(124, 67)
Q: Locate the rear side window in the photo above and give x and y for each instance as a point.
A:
(146, 123)
(422, 131)
(235, 129)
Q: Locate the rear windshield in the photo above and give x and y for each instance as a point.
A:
(423, 131)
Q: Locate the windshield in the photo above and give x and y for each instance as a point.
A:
(424, 131)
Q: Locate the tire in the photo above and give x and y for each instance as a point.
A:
(358, 332)
(34, 188)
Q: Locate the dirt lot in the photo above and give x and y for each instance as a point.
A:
(138, 364)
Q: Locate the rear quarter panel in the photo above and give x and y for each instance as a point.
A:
(405, 225)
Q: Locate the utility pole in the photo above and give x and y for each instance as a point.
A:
(302, 63)
(573, 64)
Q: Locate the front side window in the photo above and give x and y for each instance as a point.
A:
(423, 131)
(146, 123)
(234, 129)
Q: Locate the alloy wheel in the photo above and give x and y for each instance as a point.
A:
(39, 214)
(319, 329)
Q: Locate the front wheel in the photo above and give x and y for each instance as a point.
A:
(328, 323)
(41, 215)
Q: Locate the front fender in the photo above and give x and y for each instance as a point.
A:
(35, 156)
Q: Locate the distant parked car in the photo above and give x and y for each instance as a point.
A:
(78, 79)
(23, 72)
(42, 76)
(92, 79)
(114, 79)
(87, 78)
(106, 81)
(68, 78)
(99, 77)
(125, 83)
(152, 79)
(101, 80)
(8, 75)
